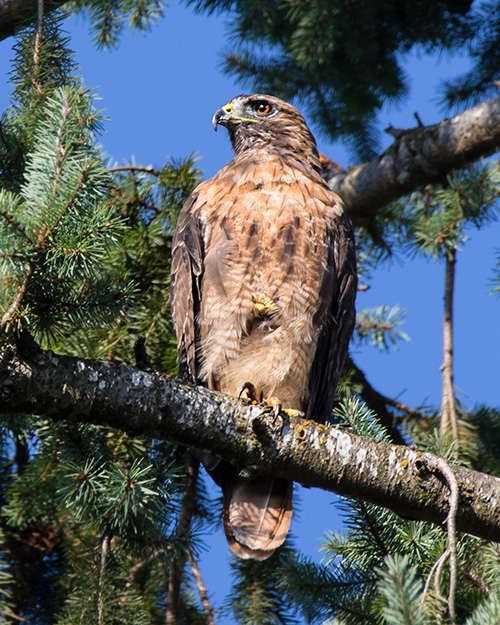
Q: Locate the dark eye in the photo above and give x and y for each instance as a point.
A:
(262, 108)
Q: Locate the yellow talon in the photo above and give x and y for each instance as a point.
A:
(264, 305)
(275, 403)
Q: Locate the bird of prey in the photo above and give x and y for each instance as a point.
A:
(263, 288)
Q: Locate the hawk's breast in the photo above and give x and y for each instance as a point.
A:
(267, 234)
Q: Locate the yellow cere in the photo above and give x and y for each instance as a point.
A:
(228, 108)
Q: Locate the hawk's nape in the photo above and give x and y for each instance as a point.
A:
(263, 290)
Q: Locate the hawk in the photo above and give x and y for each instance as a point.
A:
(263, 288)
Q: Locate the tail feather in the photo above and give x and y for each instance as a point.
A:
(257, 514)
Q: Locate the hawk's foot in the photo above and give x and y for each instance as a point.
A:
(248, 394)
(277, 406)
(264, 305)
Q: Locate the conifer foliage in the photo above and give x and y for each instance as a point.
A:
(100, 527)
(57, 224)
(88, 530)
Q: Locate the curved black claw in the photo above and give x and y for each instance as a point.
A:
(248, 393)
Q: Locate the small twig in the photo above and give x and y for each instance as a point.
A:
(148, 169)
(439, 569)
(202, 590)
(451, 523)
(36, 52)
(16, 617)
(109, 346)
(70, 203)
(430, 577)
(401, 407)
(134, 570)
(120, 442)
(397, 133)
(475, 579)
(419, 120)
(100, 599)
(17, 301)
(374, 325)
(159, 315)
(440, 465)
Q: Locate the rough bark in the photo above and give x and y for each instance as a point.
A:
(397, 477)
(16, 14)
(420, 156)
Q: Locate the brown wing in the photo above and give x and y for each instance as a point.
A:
(186, 273)
(338, 293)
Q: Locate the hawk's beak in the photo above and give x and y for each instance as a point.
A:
(221, 116)
(225, 116)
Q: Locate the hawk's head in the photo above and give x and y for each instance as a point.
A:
(263, 121)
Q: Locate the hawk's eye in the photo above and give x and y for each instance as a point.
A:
(262, 108)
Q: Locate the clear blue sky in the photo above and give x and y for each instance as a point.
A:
(160, 92)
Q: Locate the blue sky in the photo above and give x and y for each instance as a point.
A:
(160, 92)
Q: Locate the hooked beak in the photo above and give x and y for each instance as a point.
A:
(225, 116)
(219, 118)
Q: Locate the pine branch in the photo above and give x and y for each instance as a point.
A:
(378, 403)
(401, 589)
(448, 413)
(422, 156)
(202, 589)
(105, 543)
(396, 477)
(17, 301)
(148, 169)
(15, 617)
(36, 51)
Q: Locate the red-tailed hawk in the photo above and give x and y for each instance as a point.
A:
(263, 289)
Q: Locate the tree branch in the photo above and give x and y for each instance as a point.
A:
(18, 299)
(448, 420)
(176, 568)
(397, 477)
(17, 14)
(202, 589)
(421, 156)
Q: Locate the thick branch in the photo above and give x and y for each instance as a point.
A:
(399, 478)
(16, 14)
(421, 156)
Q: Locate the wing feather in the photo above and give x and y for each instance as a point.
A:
(337, 294)
(185, 296)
